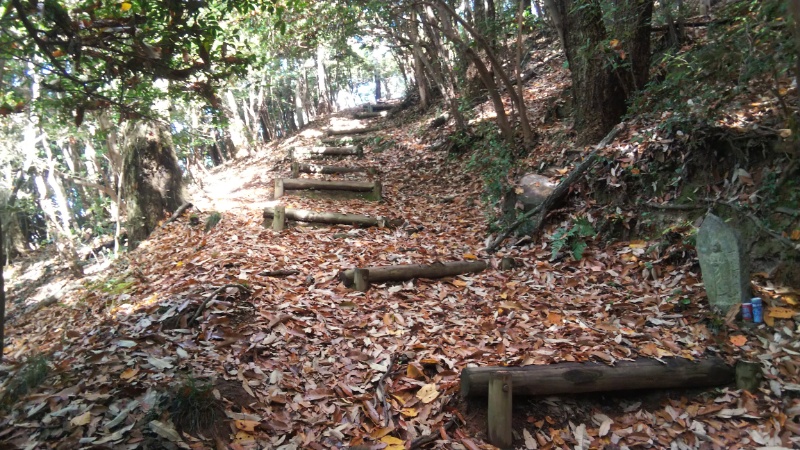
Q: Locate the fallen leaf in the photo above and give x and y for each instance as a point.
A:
(392, 443)
(83, 419)
(427, 393)
(738, 340)
(246, 425)
(780, 312)
(409, 412)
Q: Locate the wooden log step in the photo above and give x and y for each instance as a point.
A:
(342, 140)
(576, 378)
(283, 184)
(405, 272)
(319, 152)
(298, 168)
(353, 131)
(379, 107)
(304, 215)
(366, 115)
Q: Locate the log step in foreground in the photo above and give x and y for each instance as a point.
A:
(576, 378)
(353, 131)
(280, 214)
(298, 168)
(500, 384)
(361, 278)
(284, 184)
(321, 152)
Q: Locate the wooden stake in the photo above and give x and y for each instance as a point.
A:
(499, 410)
(295, 169)
(361, 279)
(377, 190)
(278, 189)
(279, 218)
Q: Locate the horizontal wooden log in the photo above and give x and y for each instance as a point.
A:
(342, 140)
(576, 378)
(306, 152)
(409, 271)
(366, 115)
(353, 131)
(379, 107)
(323, 185)
(303, 215)
(298, 168)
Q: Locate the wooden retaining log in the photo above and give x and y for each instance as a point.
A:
(405, 272)
(366, 115)
(283, 184)
(321, 152)
(575, 378)
(353, 131)
(379, 107)
(298, 168)
(303, 215)
(343, 140)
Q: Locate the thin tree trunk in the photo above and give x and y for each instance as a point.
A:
(322, 83)
(2, 294)
(419, 69)
(519, 102)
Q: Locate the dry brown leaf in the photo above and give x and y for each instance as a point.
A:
(427, 393)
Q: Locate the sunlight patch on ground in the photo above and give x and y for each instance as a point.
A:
(343, 123)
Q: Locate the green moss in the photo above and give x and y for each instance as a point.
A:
(30, 375)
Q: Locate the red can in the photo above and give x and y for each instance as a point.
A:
(747, 312)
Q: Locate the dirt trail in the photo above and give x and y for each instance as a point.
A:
(302, 356)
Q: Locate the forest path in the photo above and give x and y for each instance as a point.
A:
(310, 362)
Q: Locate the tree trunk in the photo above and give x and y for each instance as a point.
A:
(324, 104)
(2, 294)
(598, 93)
(378, 93)
(299, 113)
(419, 68)
(631, 22)
(152, 178)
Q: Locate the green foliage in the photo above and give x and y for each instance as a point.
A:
(194, 408)
(113, 286)
(573, 237)
(493, 160)
(212, 221)
(32, 373)
(752, 42)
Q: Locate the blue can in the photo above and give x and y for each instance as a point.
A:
(758, 310)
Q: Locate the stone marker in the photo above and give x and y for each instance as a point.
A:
(722, 260)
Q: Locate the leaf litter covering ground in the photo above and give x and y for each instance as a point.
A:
(303, 362)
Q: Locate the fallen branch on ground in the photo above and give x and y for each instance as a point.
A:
(428, 438)
(279, 273)
(214, 294)
(559, 192)
(178, 212)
